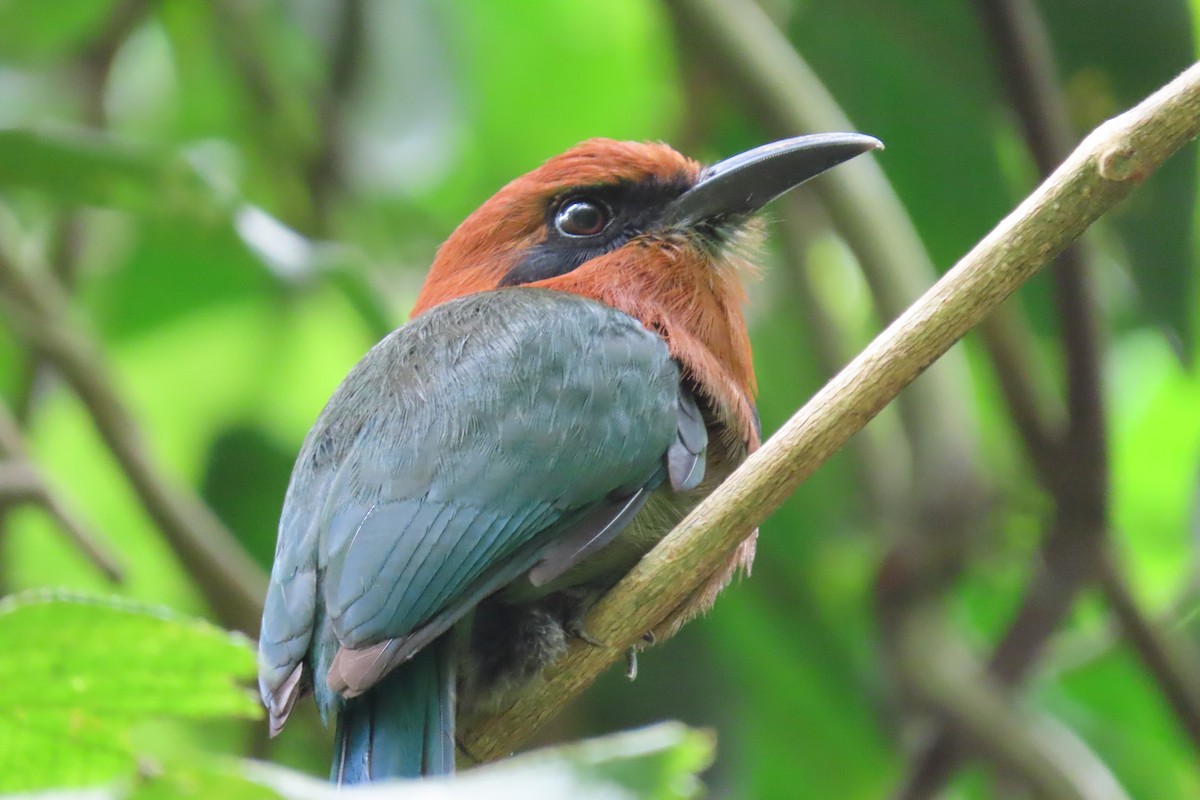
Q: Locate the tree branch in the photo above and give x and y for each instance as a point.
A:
(1102, 171)
(22, 482)
(779, 83)
(959, 692)
(1037, 415)
(763, 70)
(228, 578)
(1074, 470)
(1171, 662)
(323, 173)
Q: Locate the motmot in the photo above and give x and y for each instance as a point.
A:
(576, 375)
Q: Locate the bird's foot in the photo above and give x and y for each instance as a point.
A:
(631, 655)
(576, 604)
(575, 629)
(462, 748)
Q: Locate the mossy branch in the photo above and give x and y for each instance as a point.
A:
(1102, 171)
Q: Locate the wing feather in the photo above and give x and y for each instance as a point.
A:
(454, 453)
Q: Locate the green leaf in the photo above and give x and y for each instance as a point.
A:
(76, 673)
(80, 167)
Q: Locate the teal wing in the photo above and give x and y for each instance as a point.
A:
(448, 463)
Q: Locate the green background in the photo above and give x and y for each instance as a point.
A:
(244, 196)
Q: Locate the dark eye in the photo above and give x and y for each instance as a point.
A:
(581, 218)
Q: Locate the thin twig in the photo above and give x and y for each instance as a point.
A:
(98, 56)
(321, 171)
(1102, 171)
(1025, 61)
(955, 689)
(228, 578)
(1037, 415)
(66, 246)
(19, 482)
(23, 482)
(1171, 662)
(324, 171)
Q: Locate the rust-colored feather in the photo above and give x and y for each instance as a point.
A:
(673, 285)
(480, 252)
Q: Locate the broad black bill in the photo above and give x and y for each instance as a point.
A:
(743, 184)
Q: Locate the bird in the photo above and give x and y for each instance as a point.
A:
(575, 376)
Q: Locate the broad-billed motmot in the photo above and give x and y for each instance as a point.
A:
(575, 377)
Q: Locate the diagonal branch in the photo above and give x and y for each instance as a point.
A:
(1172, 662)
(779, 84)
(22, 482)
(763, 71)
(958, 690)
(1101, 172)
(1075, 470)
(228, 578)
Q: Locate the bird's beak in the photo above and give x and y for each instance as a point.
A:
(739, 186)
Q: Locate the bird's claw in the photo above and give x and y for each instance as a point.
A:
(631, 664)
(576, 631)
(462, 747)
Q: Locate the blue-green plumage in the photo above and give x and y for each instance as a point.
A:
(488, 468)
(508, 431)
(404, 726)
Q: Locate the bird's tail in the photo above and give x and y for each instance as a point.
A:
(404, 726)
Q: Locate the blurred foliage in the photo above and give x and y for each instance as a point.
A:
(244, 196)
(78, 675)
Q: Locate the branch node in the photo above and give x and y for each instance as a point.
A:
(1121, 162)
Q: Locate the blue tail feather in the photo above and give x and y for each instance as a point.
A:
(403, 727)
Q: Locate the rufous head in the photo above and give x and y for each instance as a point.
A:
(646, 230)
